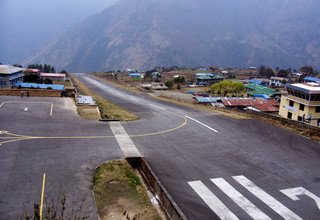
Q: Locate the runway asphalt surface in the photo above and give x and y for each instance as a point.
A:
(217, 167)
(214, 167)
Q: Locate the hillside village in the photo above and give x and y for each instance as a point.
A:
(285, 93)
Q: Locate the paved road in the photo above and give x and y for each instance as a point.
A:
(54, 141)
(222, 168)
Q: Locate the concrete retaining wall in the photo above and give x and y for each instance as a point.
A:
(35, 92)
(166, 202)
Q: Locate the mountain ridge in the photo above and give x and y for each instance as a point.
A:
(141, 34)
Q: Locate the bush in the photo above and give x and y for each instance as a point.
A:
(169, 83)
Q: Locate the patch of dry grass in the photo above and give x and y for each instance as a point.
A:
(88, 112)
(120, 194)
(107, 109)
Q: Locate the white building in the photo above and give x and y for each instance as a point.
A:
(277, 81)
(10, 75)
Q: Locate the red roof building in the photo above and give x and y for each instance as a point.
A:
(251, 103)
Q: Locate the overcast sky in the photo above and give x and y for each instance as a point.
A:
(28, 25)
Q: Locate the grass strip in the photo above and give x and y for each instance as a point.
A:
(120, 194)
(107, 109)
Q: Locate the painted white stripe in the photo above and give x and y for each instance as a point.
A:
(135, 99)
(202, 124)
(212, 201)
(126, 144)
(119, 93)
(294, 192)
(240, 200)
(267, 199)
(157, 106)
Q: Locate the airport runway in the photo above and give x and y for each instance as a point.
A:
(217, 167)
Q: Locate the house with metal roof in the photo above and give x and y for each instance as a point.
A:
(53, 76)
(302, 102)
(136, 75)
(309, 79)
(261, 82)
(253, 89)
(255, 104)
(278, 81)
(207, 78)
(9, 75)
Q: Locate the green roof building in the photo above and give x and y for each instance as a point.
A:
(253, 89)
(207, 79)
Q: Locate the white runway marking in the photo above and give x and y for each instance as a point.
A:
(157, 106)
(135, 99)
(294, 192)
(126, 144)
(267, 199)
(240, 200)
(212, 201)
(202, 124)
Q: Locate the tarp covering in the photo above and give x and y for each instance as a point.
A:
(40, 86)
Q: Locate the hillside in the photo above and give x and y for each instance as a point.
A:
(141, 34)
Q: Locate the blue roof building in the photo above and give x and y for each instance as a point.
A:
(40, 86)
(309, 79)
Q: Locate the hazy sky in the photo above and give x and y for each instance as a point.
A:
(28, 25)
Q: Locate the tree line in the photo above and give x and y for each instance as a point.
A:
(46, 68)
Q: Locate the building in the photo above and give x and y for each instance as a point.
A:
(261, 82)
(10, 75)
(302, 101)
(278, 81)
(309, 79)
(28, 71)
(254, 89)
(207, 78)
(53, 76)
(136, 75)
(255, 104)
(39, 86)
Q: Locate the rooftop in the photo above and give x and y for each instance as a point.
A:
(7, 69)
(257, 89)
(40, 86)
(309, 88)
(53, 75)
(208, 76)
(279, 78)
(312, 79)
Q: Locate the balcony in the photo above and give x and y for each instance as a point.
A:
(303, 101)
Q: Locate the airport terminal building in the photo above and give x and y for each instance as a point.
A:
(302, 102)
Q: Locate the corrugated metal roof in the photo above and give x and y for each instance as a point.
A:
(201, 99)
(31, 70)
(40, 86)
(312, 79)
(261, 104)
(233, 102)
(257, 89)
(7, 69)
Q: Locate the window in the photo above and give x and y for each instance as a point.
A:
(301, 107)
(299, 118)
(289, 115)
(291, 103)
(318, 109)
